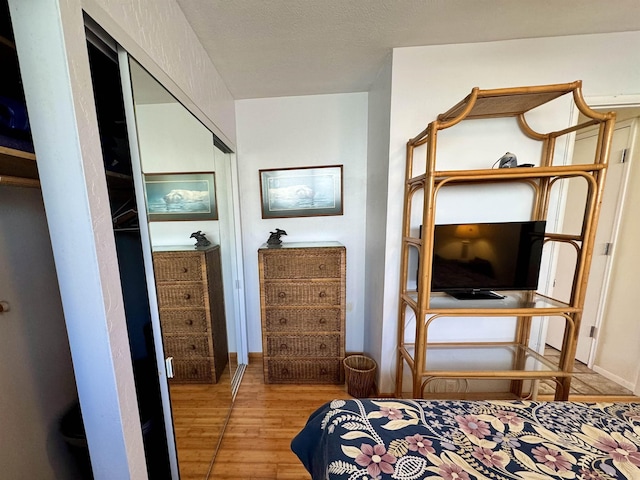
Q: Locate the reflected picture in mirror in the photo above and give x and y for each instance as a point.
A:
(181, 196)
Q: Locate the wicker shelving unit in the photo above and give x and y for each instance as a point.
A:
(431, 362)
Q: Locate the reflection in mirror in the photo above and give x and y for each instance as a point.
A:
(110, 111)
(193, 286)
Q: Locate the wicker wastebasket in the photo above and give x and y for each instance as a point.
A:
(360, 374)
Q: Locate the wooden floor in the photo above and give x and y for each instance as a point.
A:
(199, 416)
(264, 419)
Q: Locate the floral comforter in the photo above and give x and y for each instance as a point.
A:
(463, 440)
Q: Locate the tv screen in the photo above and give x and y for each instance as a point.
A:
(471, 260)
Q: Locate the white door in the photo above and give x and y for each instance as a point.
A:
(605, 233)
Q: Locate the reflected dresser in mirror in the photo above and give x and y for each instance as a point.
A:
(192, 317)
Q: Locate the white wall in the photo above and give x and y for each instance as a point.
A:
(429, 80)
(36, 376)
(302, 132)
(377, 167)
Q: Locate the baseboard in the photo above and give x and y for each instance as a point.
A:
(614, 378)
(257, 358)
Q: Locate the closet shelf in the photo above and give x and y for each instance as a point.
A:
(17, 163)
(7, 43)
(19, 181)
(20, 168)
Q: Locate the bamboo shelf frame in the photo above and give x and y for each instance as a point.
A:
(428, 306)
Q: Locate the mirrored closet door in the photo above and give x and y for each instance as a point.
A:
(169, 177)
(185, 185)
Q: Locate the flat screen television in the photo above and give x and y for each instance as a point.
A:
(470, 261)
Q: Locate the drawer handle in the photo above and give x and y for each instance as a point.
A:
(283, 321)
(193, 347)
(323, 294)
(285, 371)
(322, 321)
(185, 269)
(187, 296)
(323, 346)
(282, 294)
(283, 346)
(188, 322)
(194, 371)
(321, 266)
(323, 371)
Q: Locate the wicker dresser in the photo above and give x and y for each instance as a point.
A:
(302, 304)
(191, 303)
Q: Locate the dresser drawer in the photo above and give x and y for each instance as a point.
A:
(183, 295)
(181, 346)
(303, 346)
(324, 264)
(184, 321)
(177, 268)
(317, 293)
(192, 371)
(302, 320)
(303, 371)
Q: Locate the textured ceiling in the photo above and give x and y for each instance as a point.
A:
(267, 48)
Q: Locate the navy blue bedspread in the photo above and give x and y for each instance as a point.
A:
(463, 440)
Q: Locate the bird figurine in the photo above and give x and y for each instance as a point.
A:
(201, 240)
(274, 238)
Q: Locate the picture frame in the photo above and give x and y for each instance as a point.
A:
(181, 196)
(301, 192)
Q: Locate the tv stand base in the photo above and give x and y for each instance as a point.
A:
(476, 295)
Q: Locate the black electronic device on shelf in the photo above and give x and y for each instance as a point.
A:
(470, 261)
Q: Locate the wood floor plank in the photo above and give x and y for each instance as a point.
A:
(256, 444)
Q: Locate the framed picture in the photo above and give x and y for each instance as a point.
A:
(301, 192)
(181, 196)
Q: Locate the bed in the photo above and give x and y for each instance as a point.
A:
(468, 440)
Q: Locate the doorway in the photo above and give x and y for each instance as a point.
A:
(597, 317)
